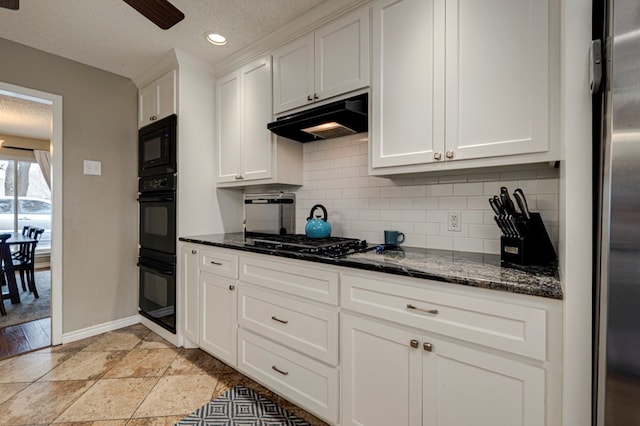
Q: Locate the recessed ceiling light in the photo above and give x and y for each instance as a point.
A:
(216, 39)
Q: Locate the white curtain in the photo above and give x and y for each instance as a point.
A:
(44, 161)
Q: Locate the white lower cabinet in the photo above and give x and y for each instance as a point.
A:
(301, 379)
(190, 288)
(397, 375)
(366, 348)
(219, 317)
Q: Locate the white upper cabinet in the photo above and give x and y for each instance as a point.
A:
(471, 82)
(248, 153)
(331, 61)
(158, 99)
(407, 124)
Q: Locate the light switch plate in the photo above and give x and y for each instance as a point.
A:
(92, 167)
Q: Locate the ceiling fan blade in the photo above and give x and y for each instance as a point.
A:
(160, 12)
(10, 4)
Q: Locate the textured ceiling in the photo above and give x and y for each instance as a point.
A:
(26, 118)
(110, 35)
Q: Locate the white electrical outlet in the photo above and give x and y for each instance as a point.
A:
(454, 221)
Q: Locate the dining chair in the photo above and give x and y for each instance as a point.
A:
(3, 280)
(26, 264)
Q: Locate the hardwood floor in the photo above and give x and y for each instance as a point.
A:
(26, 337)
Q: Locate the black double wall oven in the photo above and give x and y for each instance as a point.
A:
(157, 185)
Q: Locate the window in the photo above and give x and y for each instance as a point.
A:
(23, 180)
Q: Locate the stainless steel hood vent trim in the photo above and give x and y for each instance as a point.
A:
(349, 115)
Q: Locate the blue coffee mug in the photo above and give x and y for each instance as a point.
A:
(393, 238)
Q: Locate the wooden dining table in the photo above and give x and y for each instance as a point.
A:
(16, 238)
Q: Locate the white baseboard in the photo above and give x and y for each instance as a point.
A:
(94, 330)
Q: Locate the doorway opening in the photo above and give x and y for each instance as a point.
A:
(30, 206)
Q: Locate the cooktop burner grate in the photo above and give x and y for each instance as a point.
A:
(297, 243)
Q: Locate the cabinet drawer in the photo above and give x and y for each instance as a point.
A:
(293, 277)
(506, 326)
(300, 379)
(307, 328)
(219, 263)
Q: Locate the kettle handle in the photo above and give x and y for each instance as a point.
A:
(326, 216)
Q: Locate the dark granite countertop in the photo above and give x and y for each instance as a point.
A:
(472, 269)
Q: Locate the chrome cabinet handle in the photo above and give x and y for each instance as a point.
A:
(153, 118)
(309, 98)
(284, 373)
(232, 287)
(426, 311)
(315, 96)
(279, 320)
(194, 251)
(216, 263)
(437, 156)
(427, 347)
(414, 343)
(449, 154)
(239, 177)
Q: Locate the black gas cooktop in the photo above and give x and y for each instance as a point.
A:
(297, 243)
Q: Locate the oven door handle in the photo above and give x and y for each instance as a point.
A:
(157, 199)
(162, 271)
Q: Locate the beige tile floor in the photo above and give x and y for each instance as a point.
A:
(125, 377)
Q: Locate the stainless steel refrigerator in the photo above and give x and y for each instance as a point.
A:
(617, 295)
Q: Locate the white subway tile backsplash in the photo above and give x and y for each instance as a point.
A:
(413, 216)
(390, 215)
(472, 216)
(452, 203)
(484, 231)
(440, 190)
(468, 244)
(426, 203)
(439, 242)
(391, 191)
(437, 216)
(363, 206)
(427, 228)
(480, 202)
(475, 188)
(414, 191)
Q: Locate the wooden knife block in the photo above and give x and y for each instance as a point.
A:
(533, 248)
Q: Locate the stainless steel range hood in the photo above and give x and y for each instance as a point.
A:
(340, 118)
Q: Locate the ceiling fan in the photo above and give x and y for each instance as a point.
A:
(10, 4)
(160, 12)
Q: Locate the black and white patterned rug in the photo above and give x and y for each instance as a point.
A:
(241, 406)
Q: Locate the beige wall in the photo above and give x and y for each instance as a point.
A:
(100, 212)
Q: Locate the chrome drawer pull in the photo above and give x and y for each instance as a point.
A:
(279, 320)
(216, 263)
(426, 311)
(284, 373)
(427, 347)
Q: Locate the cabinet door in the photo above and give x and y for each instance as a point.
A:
(258, 142)
(466, 386)
(189, 283)
(147, 104)
(157, 100)
(381, 379)
(342, 55)
(497, 77)
(408, 82)
(228, 130)
(167, 94)
(219, 320)
(293, 74)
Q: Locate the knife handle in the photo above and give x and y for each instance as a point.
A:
(522, 202)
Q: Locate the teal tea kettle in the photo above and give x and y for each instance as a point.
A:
(317, 227)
